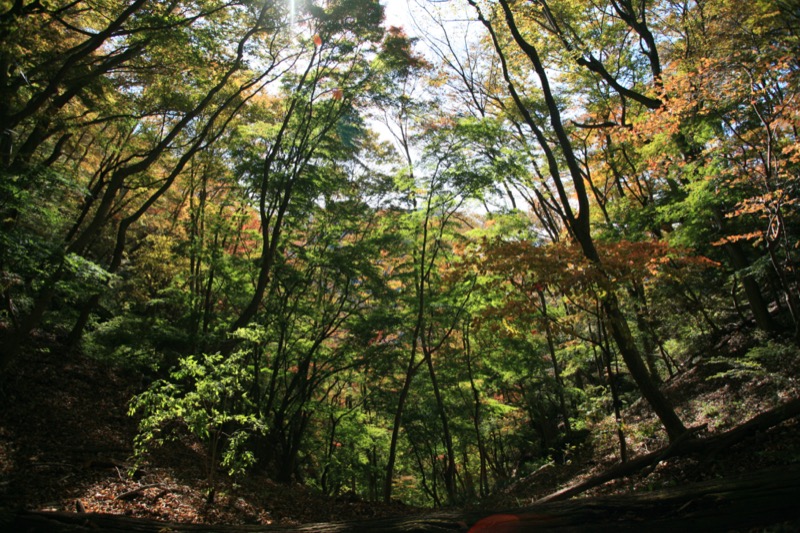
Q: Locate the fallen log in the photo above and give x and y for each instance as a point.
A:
(684, 445)
(758, 500)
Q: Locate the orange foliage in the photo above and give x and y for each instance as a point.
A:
(523, 272)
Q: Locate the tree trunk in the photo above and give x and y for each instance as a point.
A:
(476, 416)
(556, 371)
(751, 289)
(398, 420)
(450, 463)
(633, 360)
(648, 334)
(612, 384)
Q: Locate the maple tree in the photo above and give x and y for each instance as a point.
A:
(576, 221)
(398, 266)
(150, 124)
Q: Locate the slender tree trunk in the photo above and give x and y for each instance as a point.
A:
(612, 385)
(450, 463)
(752, 291)
(398, 420)
(648, 335)
(476, 416)
(556, 371)
(633, 360)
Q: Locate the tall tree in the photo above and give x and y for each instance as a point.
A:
(577, 223)
(164, 129)
(319, 97)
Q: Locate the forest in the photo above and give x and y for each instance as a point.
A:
(408, 266)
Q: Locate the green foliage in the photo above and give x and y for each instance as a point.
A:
(207, 398)
(156, 189)
(151, 345)
(85, 276)
(766, 359)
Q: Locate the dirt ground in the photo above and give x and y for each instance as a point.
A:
(66, 445)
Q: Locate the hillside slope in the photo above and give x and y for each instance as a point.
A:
(67, 441)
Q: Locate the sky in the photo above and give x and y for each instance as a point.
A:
(398, 14)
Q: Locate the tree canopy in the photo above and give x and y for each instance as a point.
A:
(394, 265)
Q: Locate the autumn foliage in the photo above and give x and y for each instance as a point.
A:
(399, 266)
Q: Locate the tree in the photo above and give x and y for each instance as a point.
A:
(321, 96)
(163, 130)
(577, 223)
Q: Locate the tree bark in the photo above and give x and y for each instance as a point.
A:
(633, 360)
(751, 289)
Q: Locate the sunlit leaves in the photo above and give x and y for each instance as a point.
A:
(207, 396)
(518, 273)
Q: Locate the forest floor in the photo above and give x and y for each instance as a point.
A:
(66, 444)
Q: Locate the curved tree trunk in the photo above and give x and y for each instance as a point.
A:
(578, 224)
